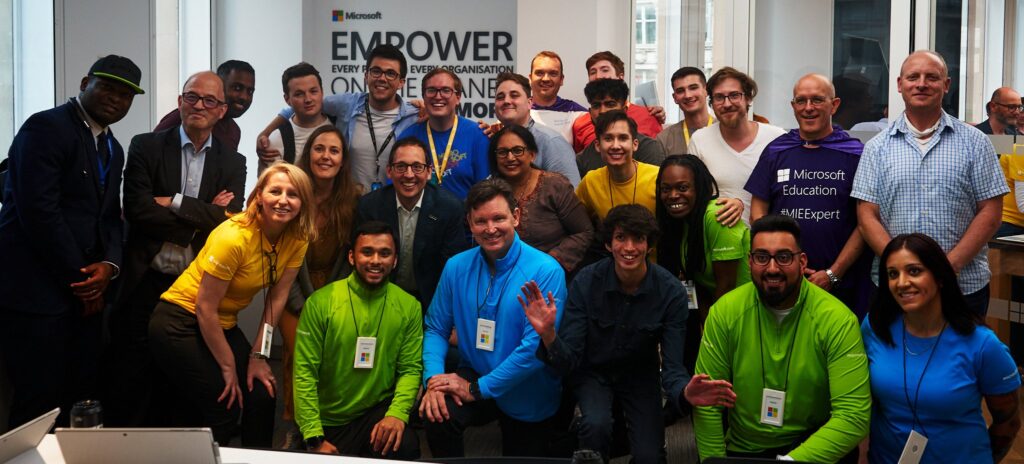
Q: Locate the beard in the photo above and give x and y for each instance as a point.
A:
(773, 297)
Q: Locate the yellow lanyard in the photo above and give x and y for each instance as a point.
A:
(439, 168)
(686, 130)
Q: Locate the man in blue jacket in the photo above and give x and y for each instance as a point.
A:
(60, 238)
(499, 376)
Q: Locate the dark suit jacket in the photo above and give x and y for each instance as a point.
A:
(440, 232)
(153, 170)
(55, 218)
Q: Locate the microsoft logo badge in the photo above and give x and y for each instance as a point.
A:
(337, 16)
(782, 175)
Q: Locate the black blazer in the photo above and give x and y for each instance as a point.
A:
(56, 219)
(440, 232)
(153, 170)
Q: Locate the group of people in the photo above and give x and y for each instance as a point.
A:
(418, 263)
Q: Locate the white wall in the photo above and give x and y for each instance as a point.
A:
(792, 38)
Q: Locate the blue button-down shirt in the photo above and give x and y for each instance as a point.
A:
(556, 155)
(934, 191)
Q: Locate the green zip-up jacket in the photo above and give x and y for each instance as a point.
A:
(327, 389)
(828, 395)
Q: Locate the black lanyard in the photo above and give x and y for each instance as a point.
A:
(353, 308)
(917, 391)
(373, 135)
(789, 355)
(487, 293)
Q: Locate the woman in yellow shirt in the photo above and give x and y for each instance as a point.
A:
(194, 332)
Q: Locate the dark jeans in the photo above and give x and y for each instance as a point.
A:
(353, 438)
(977, 302)
(518, 438)
(130, 382)
(640, 397)
(192, 372)
(52, 361)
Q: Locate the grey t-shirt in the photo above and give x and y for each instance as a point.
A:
(367, 166)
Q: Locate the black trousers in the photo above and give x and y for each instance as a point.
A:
(353, 438)
(518, 438)
(130, 382)
(52, 361)
(640, 397)
(180, 352)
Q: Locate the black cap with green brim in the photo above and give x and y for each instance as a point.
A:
(120, 69)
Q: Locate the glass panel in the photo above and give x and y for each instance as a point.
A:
(949, 24)
(860, 52)
(6, 75)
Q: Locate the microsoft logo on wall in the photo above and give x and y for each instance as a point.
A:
(340, 15)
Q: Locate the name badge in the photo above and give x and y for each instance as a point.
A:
(773, 402)
(365, 348)
(914, 448)
(691, 294)
(484, 334)
(268, 339)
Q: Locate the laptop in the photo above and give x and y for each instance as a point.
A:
(139, 446)
(27, 436)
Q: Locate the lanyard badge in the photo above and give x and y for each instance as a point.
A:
(485, 334)
(691, 294)
(773, 405)
(365, 348)
(914, 449)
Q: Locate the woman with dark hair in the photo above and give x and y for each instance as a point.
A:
(551, 217)
(695, 246)
(932, 361)
(336, 196)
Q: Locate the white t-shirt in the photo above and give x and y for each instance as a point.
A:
(301, 134)
(559, 121)
(730, 168)
(366, 167)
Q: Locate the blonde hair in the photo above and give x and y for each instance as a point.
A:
(304, 226)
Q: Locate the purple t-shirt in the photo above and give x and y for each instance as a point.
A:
(813, 185)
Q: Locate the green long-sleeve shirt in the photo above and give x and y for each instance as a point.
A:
(328, 390)
(828, 395)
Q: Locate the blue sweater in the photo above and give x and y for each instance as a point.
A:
(511, 374)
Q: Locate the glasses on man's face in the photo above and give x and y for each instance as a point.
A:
(734, 97)
(801, 102)
(208, 102)
(417, 168)
(1011, 107)
(376, 72)
(782, 258)
(445, 92)
(515, 151)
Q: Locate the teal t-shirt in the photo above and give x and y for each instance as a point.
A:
(721, 244)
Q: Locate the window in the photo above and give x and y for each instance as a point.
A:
(860, 57)
(646, 24)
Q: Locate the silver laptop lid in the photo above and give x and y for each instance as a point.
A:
(27, 436)
(139, 446)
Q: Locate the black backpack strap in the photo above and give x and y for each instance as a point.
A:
(288, 140)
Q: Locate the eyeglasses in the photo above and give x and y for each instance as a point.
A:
(445, 92)
(816, 102)
(376, 72)
(515, 151)
(734, 97)
(1011, 107)
(417, 168)
(782, 258)
(208, 102)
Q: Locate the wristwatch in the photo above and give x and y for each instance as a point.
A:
(312, 443)
(833, 279)
(258, 355)
(474, 390)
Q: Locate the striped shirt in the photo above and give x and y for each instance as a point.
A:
(934, 190)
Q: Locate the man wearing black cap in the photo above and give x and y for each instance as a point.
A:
(60, 238)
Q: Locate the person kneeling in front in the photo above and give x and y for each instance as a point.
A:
(358, 357)
(794, 355)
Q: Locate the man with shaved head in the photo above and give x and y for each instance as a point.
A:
(178, 185)
(807, 174)
(1004, 111)
(929, 172)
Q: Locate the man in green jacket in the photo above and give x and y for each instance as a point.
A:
(794, 355)
(358, 357)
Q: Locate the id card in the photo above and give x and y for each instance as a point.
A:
(365, 348)
(484, 334)
(914, 448)
(268, 339)
(691, 294)
(773, 402)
